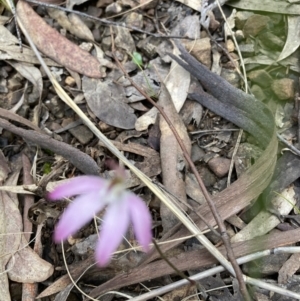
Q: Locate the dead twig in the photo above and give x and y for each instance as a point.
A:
(28, 199)
(290, 146)
(79, 159)
(15, 117)
(237, 144)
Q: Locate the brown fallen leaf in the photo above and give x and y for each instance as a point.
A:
(107, 102)
(4, 168)
(12, 52)
(28, 267)
(10, 226)
(181, 294)
(172, 159)
(72, 23)
(29, 290)
(21, 262)
(56, 46)
(289, 268)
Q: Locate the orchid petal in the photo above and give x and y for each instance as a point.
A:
(115, 224)
(78, 213)
(78, 185)
(141, 219)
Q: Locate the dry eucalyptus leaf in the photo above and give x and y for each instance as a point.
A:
(56, 46)
(148, 79)
(178, 83)
(4, 20)
(172, 159)
(12, 52)
(145, 120)
(22, 263)
(107, 101)
(58, 286)
(293, 37)
(291, 62)
(194, 4)
(191, 112)
(6, 37)
(265, 221)
(182, 293)
(192, 189)
(10, 226)
(70, 3)
(289, 268)
(279, 7)
(72, 23)
(188, 27)
(32, 74)
(124, 39)
(135, 148)
(82, 247)
(4, 168)
(28, 267)
(178, 79)
(64, 294)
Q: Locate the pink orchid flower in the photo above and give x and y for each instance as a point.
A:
(95, 193)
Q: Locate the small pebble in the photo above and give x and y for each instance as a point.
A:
(219, 166)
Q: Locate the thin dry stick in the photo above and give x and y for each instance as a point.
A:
(180, 273)
(290, 146)
(237, 144)
(28, 199)
(210, 203)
